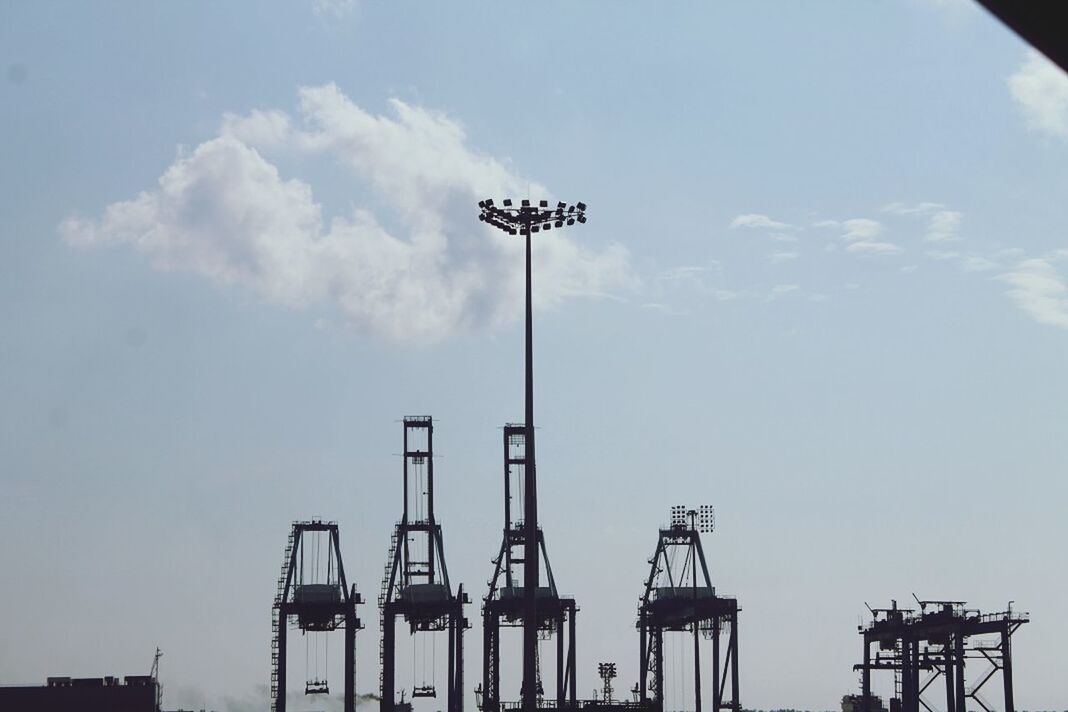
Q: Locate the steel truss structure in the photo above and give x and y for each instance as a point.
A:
(325, 603)
(936, 643)
(415, 583)
(679, 598)
(504, 604)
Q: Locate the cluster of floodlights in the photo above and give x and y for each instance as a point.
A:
(703, 519)
(606, 670)
(527, 218)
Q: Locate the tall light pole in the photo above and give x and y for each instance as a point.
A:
(525, 220)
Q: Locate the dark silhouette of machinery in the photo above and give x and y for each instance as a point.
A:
(679, 598)
(607, 672)
(415, 583)
(504, 606)
(526, 219)
(919, 648)
(313, 590)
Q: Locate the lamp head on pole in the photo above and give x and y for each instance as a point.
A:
(527, 218)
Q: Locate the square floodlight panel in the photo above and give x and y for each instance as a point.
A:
(507, 202)
(678, 515)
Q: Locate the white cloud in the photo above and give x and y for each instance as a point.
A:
(781, 290)
(911, 208)
(225, 212)
(782, 256)
(976, 263)
(944, 226)
(759, 221)
(336, 8)
(1037, 289)
(860, 229)
(943, 254)
(782, 237)
(860, 234)
(873, 247)
(1040, 89)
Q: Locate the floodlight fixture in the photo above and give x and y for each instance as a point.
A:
(706, 519)
(606, 670)
(678, 516)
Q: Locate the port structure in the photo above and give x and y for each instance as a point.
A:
(313, 590)
(526, 219)
(937, 642)
(504, 604)
(679, 598)
(415, 582)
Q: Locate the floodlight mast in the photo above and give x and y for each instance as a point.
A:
(524, 220)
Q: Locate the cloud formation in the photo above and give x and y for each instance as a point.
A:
(1039, 290)
(944, 226)
(224, 211)
(758, 221)
(1040, 90)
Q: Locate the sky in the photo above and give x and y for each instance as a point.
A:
(823, 287)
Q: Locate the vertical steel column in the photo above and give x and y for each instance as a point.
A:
(560, 659)
(530, 515)
(696, 637)
(1006, 666)
(717, 693)
(350, 653)
(461, 623)
(280, 703)
(734, 663)
(947, 663)
(906, 675)
(658, 654)
(430, 502)
(573, 691)
(643, 657)
(389, 691)
(958, 653)
(450, 683)
(865, 679)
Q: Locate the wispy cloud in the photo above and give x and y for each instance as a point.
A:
(224, 211)
(782, 256)
(1040, 90)
(911, 208)
(977, 263)
(860, 233)
(756, 220)
(333, 8)
(1039, 290)
(943, 226)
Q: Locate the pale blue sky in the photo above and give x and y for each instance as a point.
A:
(820, 288)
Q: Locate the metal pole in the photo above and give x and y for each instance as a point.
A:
(947, 663)
(696, 638)
(388, 662)
(734, 663)
(717, 693)
(280, 702)
(530, 513)
(450, 683)
(958, 653)
(560, 659)
(1006, 667)
(865, 679)
(350, 653)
